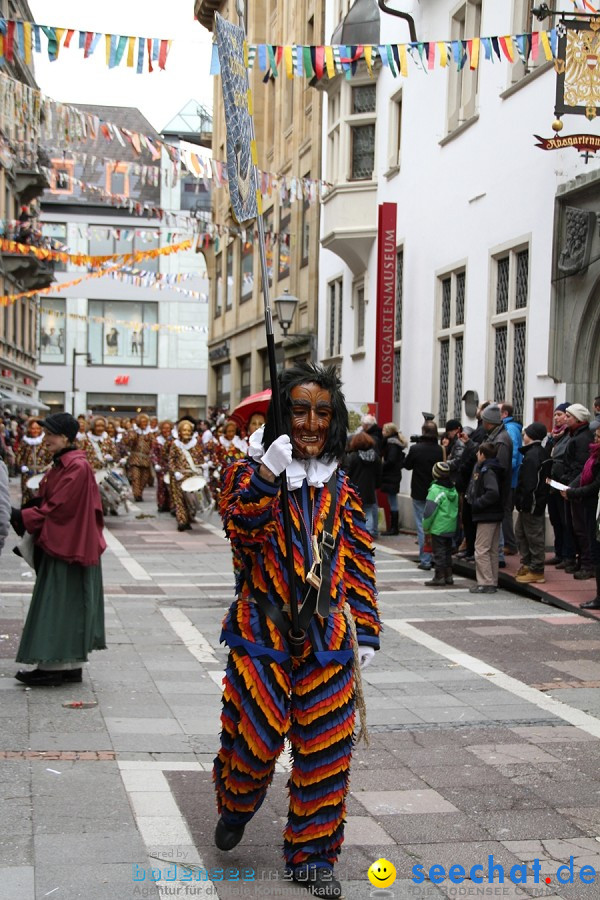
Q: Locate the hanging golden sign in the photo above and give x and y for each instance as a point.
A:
(578, 67)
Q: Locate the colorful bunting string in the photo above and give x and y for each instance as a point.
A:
(19, 38)
(316, 62)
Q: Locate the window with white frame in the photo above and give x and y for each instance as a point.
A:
(228, 275)
(395, 132)
(219, 285)
(334, 317)
(361, 124)
(509, 327)
(524, 23)
(333, 135)
(463, 82)
(398, 323)
(450, 343)
(359, 304)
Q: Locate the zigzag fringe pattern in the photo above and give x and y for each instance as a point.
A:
(315, 707)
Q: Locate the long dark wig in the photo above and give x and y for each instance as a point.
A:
(327, 378)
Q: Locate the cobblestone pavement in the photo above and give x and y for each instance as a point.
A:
(485, 750)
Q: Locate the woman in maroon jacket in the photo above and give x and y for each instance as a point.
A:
(66, 615)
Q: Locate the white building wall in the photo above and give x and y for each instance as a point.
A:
(486, 188)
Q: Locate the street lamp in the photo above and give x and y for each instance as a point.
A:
(73, 388)
(286, 307)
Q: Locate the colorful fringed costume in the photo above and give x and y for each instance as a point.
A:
(268, 695)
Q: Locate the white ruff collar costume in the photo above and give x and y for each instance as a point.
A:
(316, 472)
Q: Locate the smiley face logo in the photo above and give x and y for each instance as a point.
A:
(382, 873)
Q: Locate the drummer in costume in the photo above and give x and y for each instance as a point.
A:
(268, 694)
(139, 447)
(102, 454)
(186, 460)
(161, 448)
(32, 458)
(66, 614)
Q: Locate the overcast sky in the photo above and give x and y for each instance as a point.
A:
(160, 95)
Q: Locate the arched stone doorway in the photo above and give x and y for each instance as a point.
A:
(585, 384)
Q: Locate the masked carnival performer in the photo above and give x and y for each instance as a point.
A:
(139, 447)
(231, 446)
(32, 458)
(186, 459)
(161, 449)
(102, 455)
(269, 694)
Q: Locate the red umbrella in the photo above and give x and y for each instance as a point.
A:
(255, 403)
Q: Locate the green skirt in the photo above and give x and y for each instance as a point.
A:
(66, 614)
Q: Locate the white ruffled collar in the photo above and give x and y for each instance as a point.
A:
(97, 438)
(191, 443)
(33, 442)
(316, 472)
(146, 430)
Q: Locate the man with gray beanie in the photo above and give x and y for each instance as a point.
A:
(497, 434)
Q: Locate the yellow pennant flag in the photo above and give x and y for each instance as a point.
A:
(130, 51)
(59, 33)
(330, 62)
(443, 49)
(289, 62)
(475, 47)
(403, 60)
(27, 40)
(368, 51)
(546, 44)
(107, 46)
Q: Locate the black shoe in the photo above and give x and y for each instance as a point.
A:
(555, 561)
(72, 675)
(320, 882)
(438, 580)
(183, 527)
(482, 589)
(571, 568)
(40, 678)
(227, 837)
(584, 574)
(591, 604)
(426, 567)
(562, 564)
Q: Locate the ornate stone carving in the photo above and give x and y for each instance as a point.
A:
(576, 249)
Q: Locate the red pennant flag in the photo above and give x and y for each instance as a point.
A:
(319, 61)
(89, 37)
(505, 49)
(9, 41)
(162, 55)
(149, 44)
(70, 34)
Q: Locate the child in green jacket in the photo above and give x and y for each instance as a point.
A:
(440, 520)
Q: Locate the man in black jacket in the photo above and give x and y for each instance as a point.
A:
(421, 459)
(531, 496)
(575, 457)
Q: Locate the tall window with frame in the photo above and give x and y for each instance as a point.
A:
(359, 303)
(395, 133)
(228, 275)
(361, 123)
(399, 311)
(509, 328)
(223, 381)
(334, 317)
(219, 284)
(245, 364)
(246, 270)
(334, 107)
(305, 224)
(525, 22)
(450, 343)
(463, 82)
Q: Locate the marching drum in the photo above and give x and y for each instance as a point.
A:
(193, 484)
(114, 488)
(197, 495)
(34, 481)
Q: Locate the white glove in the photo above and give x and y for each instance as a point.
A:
(24, 470)
(279, 455)
(178, 476)
(157, 468)
(365, 656)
